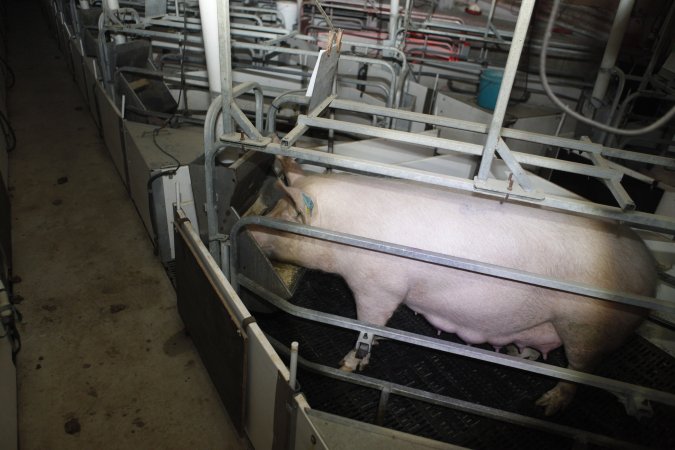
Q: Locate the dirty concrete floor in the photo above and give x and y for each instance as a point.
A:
(105, 362)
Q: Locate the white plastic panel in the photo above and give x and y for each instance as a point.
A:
(263, 366)
(178, 188)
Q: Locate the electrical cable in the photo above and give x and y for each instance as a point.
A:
(182, 95)
(9, 72)
(8, 132)
(544, 81)
(183, 91)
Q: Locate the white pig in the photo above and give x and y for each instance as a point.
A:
(476, 307)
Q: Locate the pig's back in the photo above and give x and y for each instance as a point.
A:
(470, 226)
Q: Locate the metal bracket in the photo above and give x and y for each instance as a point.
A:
(523, 188)
(364, 344)
(507, 188)
(516, 169)
(237, 138)
(614, 185)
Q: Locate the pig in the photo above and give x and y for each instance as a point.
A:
(477, 308)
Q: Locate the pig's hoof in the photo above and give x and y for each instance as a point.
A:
(555, 400)
(526, 353)
(351, 363)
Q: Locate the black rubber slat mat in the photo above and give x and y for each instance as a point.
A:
(487, 384)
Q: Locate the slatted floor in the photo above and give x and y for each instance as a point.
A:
(637, 362)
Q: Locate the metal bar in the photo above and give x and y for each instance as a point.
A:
(619, 26)
(210, 153)
(454, 146)
(321, 107)
(510, 160)
(584, 207)
(614, 386)
(177, 37)
(393, 22)
(247, 127)
(519, 34)
(295, 97)
(520, 135)
(455, 404)
(229, 297)
(174, 24)
(224, 44)
(281, 38)
(293, 135)
(258, 93)
(395, 135)
(620, 195)
(453, 262)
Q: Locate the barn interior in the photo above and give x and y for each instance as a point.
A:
(560, 105)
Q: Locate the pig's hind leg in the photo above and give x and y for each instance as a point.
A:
(585, 345)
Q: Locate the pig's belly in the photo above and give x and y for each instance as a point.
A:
(542, 337)
(481, 310)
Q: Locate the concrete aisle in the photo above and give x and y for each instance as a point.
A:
(105, 363)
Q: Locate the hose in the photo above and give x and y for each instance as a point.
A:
(544, 81)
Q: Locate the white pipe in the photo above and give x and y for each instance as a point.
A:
(208, 11)
(393, 22)
(293, 366)
(289, 11)
(616, 35)
(112, 5)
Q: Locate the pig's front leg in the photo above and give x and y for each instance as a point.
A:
(374, 306)
(360, 356)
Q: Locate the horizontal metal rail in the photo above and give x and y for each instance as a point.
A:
(223, 288)
(453, 262)
(455, 146)
(520, 135)
(575, 434)
(583, 207)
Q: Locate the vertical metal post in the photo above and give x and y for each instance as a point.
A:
(293, 366)
(298, 25)
(619, 26)
(517, 43)
(657, 49)
(225, 63)
(488, 25)
(393, 21)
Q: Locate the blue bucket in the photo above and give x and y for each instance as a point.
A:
(488, 89)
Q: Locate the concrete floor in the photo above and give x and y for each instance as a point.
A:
(105, 362)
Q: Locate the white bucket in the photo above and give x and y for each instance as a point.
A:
(289, 11)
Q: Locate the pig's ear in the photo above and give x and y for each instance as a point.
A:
(292, 170)
(304, 204)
